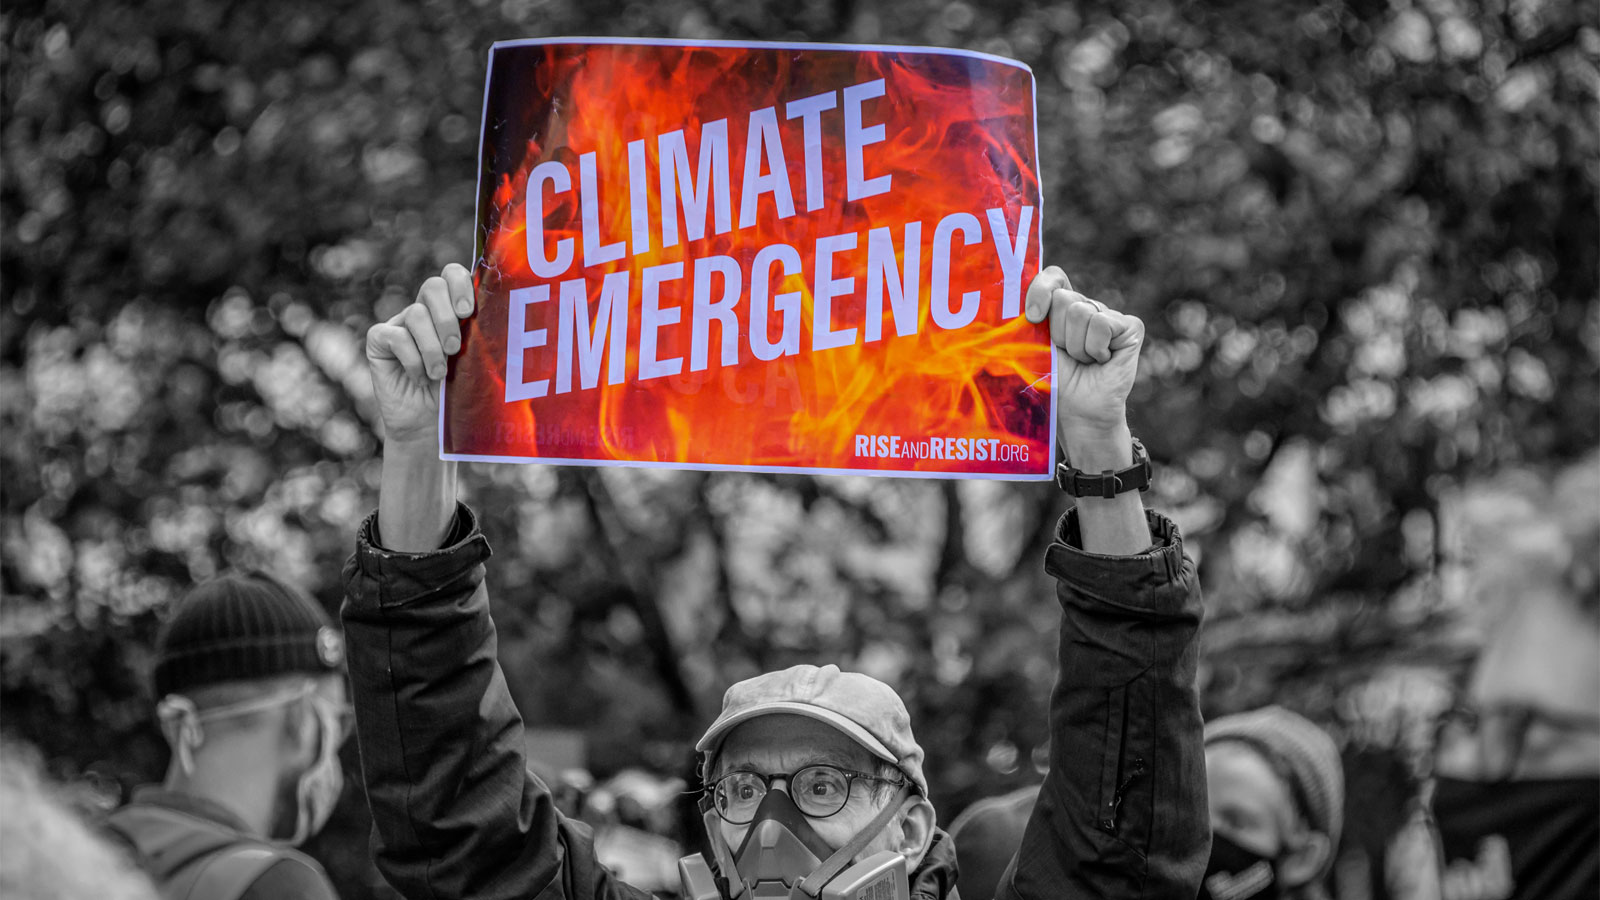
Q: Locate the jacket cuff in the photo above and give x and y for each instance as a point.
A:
(1114, 580)
(378, 577)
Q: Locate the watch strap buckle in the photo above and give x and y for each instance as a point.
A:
(1110, 482)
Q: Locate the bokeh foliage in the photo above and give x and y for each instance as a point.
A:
(1363, 235)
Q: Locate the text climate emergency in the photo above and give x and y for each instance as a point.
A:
(719, 283)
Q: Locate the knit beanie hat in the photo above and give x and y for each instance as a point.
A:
(242, 627)
(1302, 753)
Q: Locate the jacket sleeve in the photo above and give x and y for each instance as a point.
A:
(1122, 812)
(455, 811)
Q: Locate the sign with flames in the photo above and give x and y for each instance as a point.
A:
(768, 257)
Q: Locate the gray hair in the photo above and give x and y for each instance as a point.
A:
(47, 850)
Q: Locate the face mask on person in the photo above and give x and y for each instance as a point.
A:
(318, 789)
(782, 856)
(1235, 873)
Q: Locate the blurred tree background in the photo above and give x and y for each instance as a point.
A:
(1363, 235)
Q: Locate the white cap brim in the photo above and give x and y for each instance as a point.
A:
(719, 730)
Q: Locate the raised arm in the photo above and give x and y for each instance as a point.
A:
(1122, 811)
(407, 357)
(455, 812)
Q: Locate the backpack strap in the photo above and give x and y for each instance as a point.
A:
(229, 872)
(192, 858)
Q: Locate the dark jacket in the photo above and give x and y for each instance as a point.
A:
(456, 814)
(195, 849)
(987, 835)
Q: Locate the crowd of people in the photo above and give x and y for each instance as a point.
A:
(814, 776)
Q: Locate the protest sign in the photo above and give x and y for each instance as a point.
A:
(772, 257)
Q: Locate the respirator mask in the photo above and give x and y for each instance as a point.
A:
(781, 855)
(318, 787)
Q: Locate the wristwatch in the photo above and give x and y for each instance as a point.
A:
(1107, 484)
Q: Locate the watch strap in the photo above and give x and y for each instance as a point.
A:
(1109, 483)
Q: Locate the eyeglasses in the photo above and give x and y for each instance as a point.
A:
(819, 791)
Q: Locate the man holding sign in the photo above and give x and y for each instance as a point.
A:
(755, 257)
(815, 785)
(775, 258)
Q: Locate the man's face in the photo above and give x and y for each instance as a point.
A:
(783, 744)
(1250, 804)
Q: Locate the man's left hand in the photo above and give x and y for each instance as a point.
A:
(1097, 355)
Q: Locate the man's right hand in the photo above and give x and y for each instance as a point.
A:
(1097, 358)
(408, 354)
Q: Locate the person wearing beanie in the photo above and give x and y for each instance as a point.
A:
(814, 779)
(1276, 788)
(1275, 783)
(251, 699)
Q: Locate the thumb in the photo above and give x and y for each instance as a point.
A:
(1041, 289)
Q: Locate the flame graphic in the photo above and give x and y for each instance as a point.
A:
(959, 138)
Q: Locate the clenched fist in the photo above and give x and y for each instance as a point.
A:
(408, 355)
(1097, 356)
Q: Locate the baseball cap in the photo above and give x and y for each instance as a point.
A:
(864, 708)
